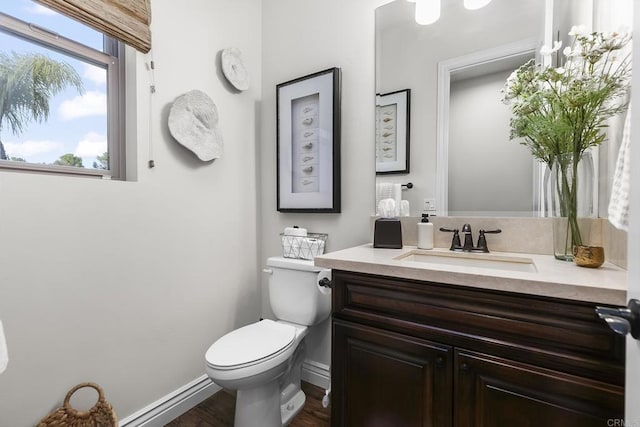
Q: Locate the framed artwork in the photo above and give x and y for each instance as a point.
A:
(393, 118)
(308, 143)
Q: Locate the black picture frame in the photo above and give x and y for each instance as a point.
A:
(393, 124)
(308, 143)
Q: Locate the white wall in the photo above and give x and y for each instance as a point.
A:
(301, 37)
(481, 154)
(128, 283)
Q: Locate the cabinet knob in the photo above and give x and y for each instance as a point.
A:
(464, 367)
(440, 361)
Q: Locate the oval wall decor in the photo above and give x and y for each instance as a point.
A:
(233, 68)
(193, 122)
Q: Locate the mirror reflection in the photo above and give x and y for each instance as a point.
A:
(462, 161)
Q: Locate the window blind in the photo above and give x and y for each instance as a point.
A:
(125, 20)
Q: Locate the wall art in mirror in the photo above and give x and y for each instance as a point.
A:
(393, 120)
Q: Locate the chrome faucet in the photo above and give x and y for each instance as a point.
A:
(468, 239)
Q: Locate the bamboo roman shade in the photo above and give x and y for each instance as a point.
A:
(125, 20)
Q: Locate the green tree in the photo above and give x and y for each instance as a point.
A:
(69, 160)
(17, 159)
(28, 81)
(102, 161)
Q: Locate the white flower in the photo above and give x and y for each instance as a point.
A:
(547, 51)
(560, 70)
(571, 53)
(578, 30)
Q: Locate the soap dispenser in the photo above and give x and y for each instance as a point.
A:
(425, 233)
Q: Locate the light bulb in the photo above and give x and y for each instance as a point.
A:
(427, 11)
(475, 4)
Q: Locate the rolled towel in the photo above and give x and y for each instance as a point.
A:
(389, 190)
(404, 208)
(397, 196)
(387, 208)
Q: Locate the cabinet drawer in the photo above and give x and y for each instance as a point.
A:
(559, 334)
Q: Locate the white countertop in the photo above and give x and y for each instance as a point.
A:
(552, 278)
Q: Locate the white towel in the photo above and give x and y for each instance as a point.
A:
(4, 354)
(387, 208)
(389, 190)
(405, 210)
(384, 190)
(619, 202)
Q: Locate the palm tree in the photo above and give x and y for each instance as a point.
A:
(69, 159)
(27, 83)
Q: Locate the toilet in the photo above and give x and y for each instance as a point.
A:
(263, 360)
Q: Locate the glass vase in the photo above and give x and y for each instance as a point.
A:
(569, 201)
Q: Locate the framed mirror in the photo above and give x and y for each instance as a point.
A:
(462, 160)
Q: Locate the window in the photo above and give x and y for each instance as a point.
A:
(61, 94)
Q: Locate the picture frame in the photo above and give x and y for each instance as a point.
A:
(308, 143)
(393, 122)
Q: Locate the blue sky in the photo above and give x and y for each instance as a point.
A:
(77, 123)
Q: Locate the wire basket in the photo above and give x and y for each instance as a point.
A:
(101, 415)
(303, 247)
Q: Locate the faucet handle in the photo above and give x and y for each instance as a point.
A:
(455, 240)
(496, 231)
(482, 240)
(449, 230)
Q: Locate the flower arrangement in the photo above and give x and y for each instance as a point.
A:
(560, 112)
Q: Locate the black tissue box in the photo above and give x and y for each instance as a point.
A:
(387, 233)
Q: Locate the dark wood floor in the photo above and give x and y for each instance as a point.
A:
(218, 411)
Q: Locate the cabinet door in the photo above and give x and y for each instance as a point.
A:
(495, 392)
(386, 379)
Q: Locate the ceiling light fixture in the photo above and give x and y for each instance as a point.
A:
(427, 11)
(475, 4)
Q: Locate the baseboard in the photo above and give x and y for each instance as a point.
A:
(316, 373)
(173, 404)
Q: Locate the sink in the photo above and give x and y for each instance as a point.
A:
(470, 259)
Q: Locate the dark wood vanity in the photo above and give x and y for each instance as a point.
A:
(416, 353)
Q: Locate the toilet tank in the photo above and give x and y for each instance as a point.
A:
(294, 293)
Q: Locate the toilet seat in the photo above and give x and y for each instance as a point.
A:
(250, 345)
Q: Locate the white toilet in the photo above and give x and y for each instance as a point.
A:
(263, 360)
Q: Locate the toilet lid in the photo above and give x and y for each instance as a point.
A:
(250, 343)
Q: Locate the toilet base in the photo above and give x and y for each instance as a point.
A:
(259, 406)
(293, 406)
(275, 403)
(262, 406)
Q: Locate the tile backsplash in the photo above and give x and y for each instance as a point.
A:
(523, 235)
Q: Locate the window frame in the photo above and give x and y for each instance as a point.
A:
(113, 59)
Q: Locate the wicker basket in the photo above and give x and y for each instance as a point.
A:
(101, 415)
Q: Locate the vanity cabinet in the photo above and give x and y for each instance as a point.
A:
(415, 353)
